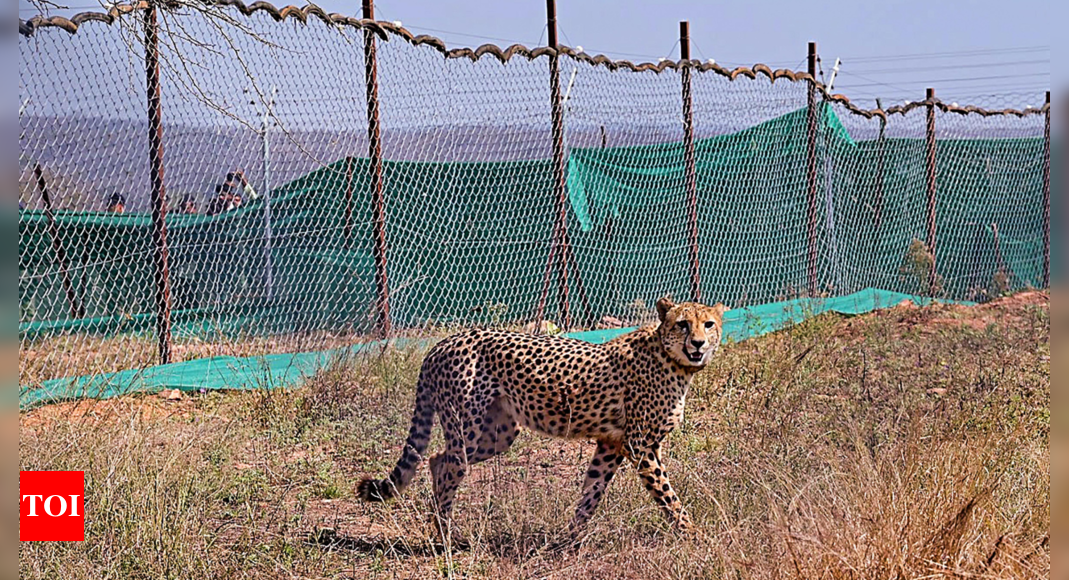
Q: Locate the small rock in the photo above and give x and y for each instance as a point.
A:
(937, 391)
(174, 395)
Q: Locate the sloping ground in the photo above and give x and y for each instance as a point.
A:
(239, 367)
(911, 442)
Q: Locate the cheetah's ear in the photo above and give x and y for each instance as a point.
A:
(663, 306)
(720, 309)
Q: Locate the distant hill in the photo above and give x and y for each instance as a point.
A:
(88, 158)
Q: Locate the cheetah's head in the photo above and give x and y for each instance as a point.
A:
(690, 332)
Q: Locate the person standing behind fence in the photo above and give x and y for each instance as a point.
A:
(189, 207)
(221, 202)
(241, 186)
(117, 203)
(232, 193)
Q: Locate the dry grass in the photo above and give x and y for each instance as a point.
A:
(912, 443)
(75, 355)
(81, 354)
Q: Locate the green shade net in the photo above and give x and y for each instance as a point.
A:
(753, 215)
(316, 270)
(290, 370)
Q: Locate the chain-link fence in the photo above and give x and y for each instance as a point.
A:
(295, 220)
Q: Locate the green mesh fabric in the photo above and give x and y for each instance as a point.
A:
(321, 279)
(752, 214)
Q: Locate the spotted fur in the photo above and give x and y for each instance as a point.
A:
(627, 395)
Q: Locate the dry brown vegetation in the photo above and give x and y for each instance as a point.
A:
(910, 443)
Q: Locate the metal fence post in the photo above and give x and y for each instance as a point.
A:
(811, 170)
(580, 289)
(560, 229)
(159, 193)
(690, 175)
(1046, 195)
(880, 152)
(269, 259)
(378, 201)
(77, 310)
(930, 170)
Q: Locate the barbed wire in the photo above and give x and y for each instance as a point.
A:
(381, 28)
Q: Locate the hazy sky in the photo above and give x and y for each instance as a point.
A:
(991, 52)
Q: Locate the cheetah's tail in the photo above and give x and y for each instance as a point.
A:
(419, 434)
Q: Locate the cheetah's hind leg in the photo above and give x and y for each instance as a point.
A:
(462, 435)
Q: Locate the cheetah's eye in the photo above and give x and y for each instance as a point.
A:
(709, 324)
(682, 325)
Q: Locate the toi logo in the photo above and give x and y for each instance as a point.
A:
(51, 506)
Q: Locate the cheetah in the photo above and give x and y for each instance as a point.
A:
(626, 395)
